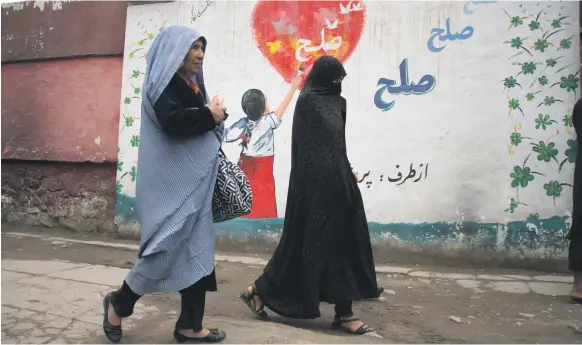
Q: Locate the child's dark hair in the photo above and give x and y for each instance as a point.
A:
(253, 104)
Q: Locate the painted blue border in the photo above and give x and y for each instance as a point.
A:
(546, 237)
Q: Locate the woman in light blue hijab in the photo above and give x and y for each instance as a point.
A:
(177, 167)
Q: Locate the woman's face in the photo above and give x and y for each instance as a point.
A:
(193, 60)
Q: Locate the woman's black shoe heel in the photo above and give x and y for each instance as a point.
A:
(247, 298)
(113, 333)
(215, 336)
(340, 323)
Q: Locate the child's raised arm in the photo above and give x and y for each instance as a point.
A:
(285, 103)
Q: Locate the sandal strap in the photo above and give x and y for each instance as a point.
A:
(363, 329)
(345, 319)
(253, 291)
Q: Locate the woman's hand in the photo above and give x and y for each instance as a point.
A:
(357, 177)
(217, 109)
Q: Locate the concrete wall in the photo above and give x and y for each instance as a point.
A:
(61, 76)
(469, 154)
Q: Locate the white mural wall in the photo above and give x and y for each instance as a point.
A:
(457, 111)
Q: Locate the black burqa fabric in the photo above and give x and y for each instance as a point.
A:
(325, 253)
(575, 235)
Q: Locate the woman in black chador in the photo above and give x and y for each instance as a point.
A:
(575, 250)
(325, 252)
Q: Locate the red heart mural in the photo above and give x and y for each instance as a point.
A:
(293, 34)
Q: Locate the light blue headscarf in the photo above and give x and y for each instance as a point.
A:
(171, 171)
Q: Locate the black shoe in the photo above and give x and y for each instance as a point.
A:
(380, 290)
(215, 336)
(113, 333)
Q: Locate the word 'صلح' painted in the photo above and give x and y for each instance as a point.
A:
(469, 11)
(425, 85)
(293, 34)
(446, 35)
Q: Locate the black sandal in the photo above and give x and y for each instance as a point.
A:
(247, 298)
(576, 300)
(341, 324)
(112, 332)
(215, 336)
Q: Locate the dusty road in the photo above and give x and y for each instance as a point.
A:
(53, 283)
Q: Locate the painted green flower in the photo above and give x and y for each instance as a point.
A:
(541, 45)
(119, 165)
(135, 74)
(566, 43)
(546, 152)
(543, 121)
(530, 96)
(516, 21)
(510, 82)
(512, 206)
(515, 139)
(118, 186)
(516, 42)
(568, 122)
(533, 217)
(521, 176)
(551, 62)
(528, 68)
(570, 83)
(134, 141)
(572, 150)
(127, 100)
(129, 120)
(549, 100)
(534, 25)
(553, 189)
(543, 80)
(133, 173)
(556, 23)
(137, 90)
(514, 104)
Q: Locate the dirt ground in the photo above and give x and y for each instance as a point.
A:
(422, 304)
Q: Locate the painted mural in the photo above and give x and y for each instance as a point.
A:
(293, 34)
(459, 113)
(540, 95)
(255, 134)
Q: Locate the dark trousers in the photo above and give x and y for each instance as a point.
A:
(193, 303)
(343, 309)
(575, 252)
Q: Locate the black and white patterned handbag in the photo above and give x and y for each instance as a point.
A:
(232, 196)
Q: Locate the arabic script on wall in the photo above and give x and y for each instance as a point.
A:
(414, 175)
(293, 34)
(197, 11)
(406, 87)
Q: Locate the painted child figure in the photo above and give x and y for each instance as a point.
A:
(256, 135)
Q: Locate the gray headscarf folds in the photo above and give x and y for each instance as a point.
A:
(175, 182)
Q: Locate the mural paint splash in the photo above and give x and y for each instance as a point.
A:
(294, 34)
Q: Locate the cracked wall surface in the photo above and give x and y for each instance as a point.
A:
(79, 197)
